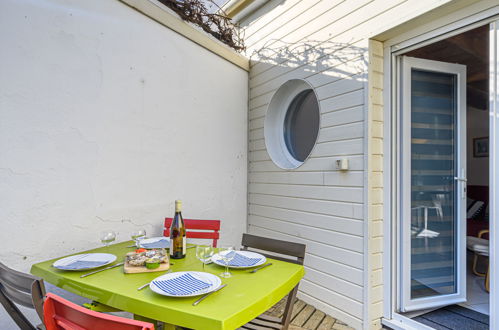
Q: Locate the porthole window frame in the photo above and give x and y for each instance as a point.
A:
(274, 123)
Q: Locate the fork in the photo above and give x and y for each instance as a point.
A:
(69, 262)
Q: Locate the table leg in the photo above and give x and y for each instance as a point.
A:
(157, 324)
(168, 326)
(487, 279)
(98, 307)
(286, 318)
(425, 218)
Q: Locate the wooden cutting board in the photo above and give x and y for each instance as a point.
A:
(142, 269)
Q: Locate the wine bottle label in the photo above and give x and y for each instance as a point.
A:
(184, 246)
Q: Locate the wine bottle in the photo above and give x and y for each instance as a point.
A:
(177, 234)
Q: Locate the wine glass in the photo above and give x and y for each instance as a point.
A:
(137, 235)
(226, 253)
(204, 253)
(107, 237)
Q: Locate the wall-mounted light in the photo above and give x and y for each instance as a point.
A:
(342, 164)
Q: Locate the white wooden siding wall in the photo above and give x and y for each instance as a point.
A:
(324, 42)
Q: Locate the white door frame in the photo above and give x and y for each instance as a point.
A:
(494, 175)
(391, 146)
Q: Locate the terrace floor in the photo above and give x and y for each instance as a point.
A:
(305, 316)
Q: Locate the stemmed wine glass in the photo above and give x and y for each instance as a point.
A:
(137, 235)
(107, 237)
(204, 253)
(226, 253)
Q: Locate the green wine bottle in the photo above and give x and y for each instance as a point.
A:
(177, 234)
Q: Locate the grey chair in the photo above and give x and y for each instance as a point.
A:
(287, 251)
(23, 289)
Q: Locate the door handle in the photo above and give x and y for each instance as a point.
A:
(463, 180)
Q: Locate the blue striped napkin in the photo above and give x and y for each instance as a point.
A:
(159, 244)
(183, 285)
(239, 260)
(82, 264)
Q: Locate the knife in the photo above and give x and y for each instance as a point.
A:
(206, 295)
(257, 269)
(100, 270)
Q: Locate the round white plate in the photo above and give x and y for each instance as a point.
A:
(217, 259)
(153, 240)
(205, 277)
(102, 258)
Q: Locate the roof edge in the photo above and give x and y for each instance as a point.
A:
(233, 7)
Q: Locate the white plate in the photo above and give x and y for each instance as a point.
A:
(217, 259)
(205, 277)
(103, 259)
(153, 240)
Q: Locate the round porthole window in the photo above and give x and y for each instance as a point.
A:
(292, 124)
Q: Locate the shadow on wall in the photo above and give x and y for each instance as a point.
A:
(282, 202)
(312, 57)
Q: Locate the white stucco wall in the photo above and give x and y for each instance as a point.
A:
(106, 115)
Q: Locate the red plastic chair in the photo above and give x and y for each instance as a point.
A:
(60, 314)
(210, 227)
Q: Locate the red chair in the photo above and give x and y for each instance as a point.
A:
(60, 314)
(210, 227)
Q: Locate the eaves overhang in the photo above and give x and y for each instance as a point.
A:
(238, 9)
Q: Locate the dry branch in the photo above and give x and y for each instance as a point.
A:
(219, 26)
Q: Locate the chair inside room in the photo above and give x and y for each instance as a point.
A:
(480, 247)
(477, 209)
(23, 289)
(204, 229)
(280, 250)
(61, 314)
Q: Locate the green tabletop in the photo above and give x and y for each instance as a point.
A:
(245, 297)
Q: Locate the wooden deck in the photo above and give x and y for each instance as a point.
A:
(307, 317)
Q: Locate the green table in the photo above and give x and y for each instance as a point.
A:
(245, 297)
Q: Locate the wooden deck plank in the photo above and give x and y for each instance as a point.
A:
(278, 309)
(306, 317)
(303, 316)
(327, 323)
(297, 308)
(294, 327)
(315, 320)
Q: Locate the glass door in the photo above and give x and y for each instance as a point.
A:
(494, 173)
(433, 184)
